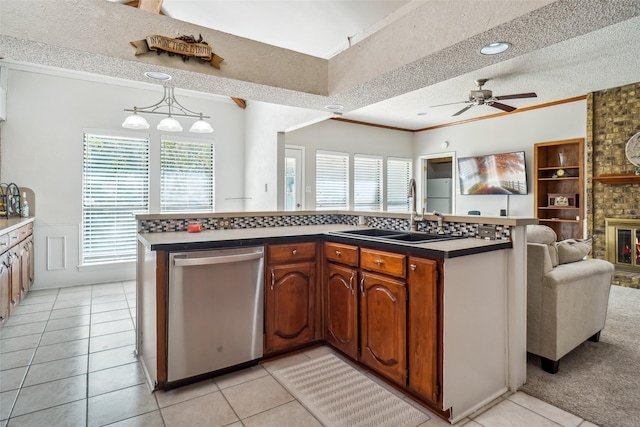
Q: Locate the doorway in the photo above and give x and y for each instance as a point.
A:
(438, 187)
(293, 178)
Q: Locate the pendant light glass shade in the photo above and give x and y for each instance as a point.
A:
(201, 126)
(168, 106)
(135, 121)
(170, 124)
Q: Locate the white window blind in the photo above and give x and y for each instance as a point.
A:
(187, 176)
(399, 172)
(332, 180)
(367, 183)
(115, 187)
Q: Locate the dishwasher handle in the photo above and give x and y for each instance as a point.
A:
(222, 259)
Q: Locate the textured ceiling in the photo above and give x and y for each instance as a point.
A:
(408, 55)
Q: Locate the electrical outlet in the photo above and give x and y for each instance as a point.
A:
(224, 223)
(487, 232)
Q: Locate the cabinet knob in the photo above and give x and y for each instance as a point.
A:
(379, 262)
(413, 267)
(295, 251)
(338, 253)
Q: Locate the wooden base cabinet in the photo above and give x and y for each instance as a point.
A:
(16, 267)
(290, 296)
(383, 325)
(423, 323)
(341, 297)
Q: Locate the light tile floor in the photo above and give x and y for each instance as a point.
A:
(66, 359)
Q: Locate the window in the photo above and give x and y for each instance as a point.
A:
(367, 183)
(399, 172)
(187, 179)
(332, 180)
(115, 187)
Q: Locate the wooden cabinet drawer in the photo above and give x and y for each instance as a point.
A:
(14, 237)
(24, 231)
(383, 262)
(4, 242)
(291, 252)
(343, 254)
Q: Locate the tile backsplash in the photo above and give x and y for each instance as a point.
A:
(503, 232)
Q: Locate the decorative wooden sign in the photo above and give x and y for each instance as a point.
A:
(184, 46)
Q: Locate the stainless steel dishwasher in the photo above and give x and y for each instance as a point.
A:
(215, 310)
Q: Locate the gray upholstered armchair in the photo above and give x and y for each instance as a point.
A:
(567, 295)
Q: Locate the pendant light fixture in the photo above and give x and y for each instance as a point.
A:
(167, 106)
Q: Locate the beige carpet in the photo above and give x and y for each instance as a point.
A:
(339, 395)
(599, 382)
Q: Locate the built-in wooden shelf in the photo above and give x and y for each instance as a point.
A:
(621, 178)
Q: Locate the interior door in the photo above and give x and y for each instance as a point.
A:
(438, 184)
(292, 179)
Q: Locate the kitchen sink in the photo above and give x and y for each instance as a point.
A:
(374, 232)
(418, 237)
(397, 235)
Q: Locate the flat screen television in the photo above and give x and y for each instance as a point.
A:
(503, 173)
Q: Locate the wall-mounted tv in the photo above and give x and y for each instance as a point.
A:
(503, 173)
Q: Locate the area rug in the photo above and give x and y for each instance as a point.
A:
(599, 382)
(339, 395)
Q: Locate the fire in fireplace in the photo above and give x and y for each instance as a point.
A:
(623, 243)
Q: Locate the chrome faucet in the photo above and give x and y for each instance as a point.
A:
(440, 222)
(414, 218)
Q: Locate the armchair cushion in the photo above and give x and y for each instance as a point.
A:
(537, 233)
(572, 250)
(544, 235)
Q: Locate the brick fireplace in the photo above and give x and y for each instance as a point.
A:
(612, 118)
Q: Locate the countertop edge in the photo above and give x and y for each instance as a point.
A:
(215, 239)
(7, 225)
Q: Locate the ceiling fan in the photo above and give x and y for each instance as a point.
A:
(485, 97)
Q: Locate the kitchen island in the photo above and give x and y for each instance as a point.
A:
(456, 302)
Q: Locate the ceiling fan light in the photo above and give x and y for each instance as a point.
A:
(494, 48)
(169, 124)
(134, 121)
(201, 126)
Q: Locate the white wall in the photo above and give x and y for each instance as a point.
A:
(332, 135)
(514, 132)
(42, 150)
(264, 160)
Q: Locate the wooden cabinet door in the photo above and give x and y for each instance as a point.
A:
(341, 309)
(14, 277)
(24, 268)
(290, 305)
(30, 260)
(5, 289)
(383, 326)
(424, 329)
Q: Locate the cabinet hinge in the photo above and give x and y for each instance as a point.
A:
(437, 390)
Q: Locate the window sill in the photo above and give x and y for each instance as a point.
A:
(106, 265)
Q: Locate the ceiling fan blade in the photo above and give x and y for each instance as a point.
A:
(463, 110)
(503, 107)
(450, 103)
(518, 96)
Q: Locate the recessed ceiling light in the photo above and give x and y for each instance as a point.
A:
(157, 75)
(494, 48)
(334, 107)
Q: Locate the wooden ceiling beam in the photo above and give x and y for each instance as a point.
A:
(152, 6)
(240, 102)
